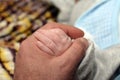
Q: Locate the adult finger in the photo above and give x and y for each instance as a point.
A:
(76, 52)
(69, 30)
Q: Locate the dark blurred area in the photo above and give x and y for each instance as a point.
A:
(18, 20)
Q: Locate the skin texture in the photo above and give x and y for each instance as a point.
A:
(53, 41)
(32, 63)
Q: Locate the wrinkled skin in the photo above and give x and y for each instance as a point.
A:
(32, 63)
(53, 41)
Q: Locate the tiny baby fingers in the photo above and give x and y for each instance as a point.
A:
(45, 40)
(44, 48)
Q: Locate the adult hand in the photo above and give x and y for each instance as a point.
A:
(34, 64)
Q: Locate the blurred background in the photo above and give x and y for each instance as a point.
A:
(18, 20)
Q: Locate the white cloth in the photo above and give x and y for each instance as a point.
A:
(65, 7)
(99, 64)
(81, 7)
(101, 21)
(70, 10)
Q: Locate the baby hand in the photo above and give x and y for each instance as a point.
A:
(52, 41)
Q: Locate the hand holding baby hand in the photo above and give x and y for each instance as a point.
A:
(32, 63)
(52, 41)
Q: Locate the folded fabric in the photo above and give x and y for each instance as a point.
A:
(100, 64)
(101, 21)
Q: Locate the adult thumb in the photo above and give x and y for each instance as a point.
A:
(76, 52)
